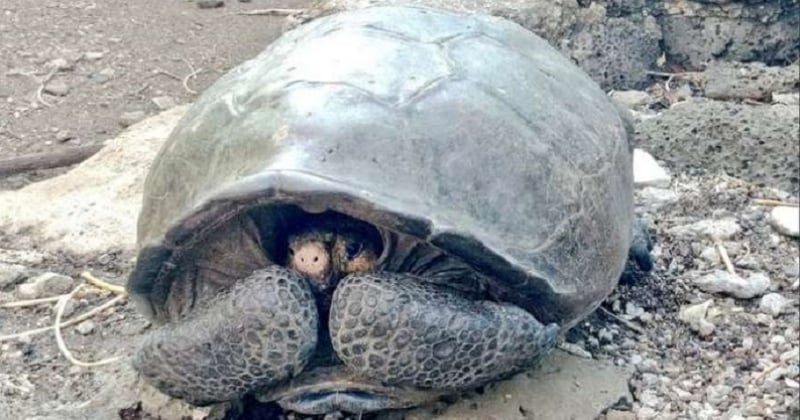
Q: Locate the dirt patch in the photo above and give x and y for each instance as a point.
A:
(104, 60)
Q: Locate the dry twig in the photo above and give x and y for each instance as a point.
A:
(723, 253)
(40, 89)
(60, 340)
(94, 281)
(31, 302)
(166, 73)
(191, 75)
(774, 203)
(622, 321)
(73, 321)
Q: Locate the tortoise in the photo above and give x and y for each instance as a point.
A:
(385, 206)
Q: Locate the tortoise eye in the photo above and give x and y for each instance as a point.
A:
(352, 249)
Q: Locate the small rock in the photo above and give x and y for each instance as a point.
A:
(732, 284)
(164, 102)
(631, 98)
(657, 196)
(722, 229)
(128, 119)
(60, 64)
(85, 327)
(711, 255)
(695, 316)
(786, 220)
(10, 274)
(64, 135)
(56, 88)
(647, 172)
(646, 413)
(773, 304)
(93, 55)
(633, 311)
(45, 285)
(716, 394)
(102, 76)
(792, 99)
(605, 336)
(210, 4)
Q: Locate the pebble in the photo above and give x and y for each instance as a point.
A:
(723, 229)
(10, 274)
(720, 281)
(631, 98)
(647, 172)
(60, 64)
(93, 55)
(128, 119)
(45, 285)
(711, 255)
(773, 304)
(103, 75)
(210, 4)
(164, 102)
(57, 88)
(85, 327)
(786, 220)
(695, 317)
(605, 336)
(657, 197)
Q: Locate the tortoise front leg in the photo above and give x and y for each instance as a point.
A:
(259, 332)
(402, 330)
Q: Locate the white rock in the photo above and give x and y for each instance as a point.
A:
(732, 284)
(93, 55)
(10, 273)
(657, 197)
(723, 229)
(786, 220)
(631, 98)
(45, 285)
(773, 304)
(711, 255)
(695, 316)
(85, 327)
(647, 172)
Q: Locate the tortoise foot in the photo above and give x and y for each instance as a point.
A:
(402, 330)
(258, 333)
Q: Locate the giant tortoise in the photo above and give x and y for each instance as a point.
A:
(385, 206)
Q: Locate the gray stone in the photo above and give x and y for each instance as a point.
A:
(57, 88)
(733, 285)
(696, 317)
(60, 64)
(733, 80)
(757, 143)
(45, 285)
(697, 32)
(103, 75)
(721, 229)
(786, 220)
(617, 52)
(85, 327)
(656, 197)
(631, 98)
(11, 274)
(773, 304)
(209, 4)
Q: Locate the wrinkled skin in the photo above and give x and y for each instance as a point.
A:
(408, 331)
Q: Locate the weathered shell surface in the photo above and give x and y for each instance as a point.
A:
(467, 131)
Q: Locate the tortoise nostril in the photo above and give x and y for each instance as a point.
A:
(316, 259)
